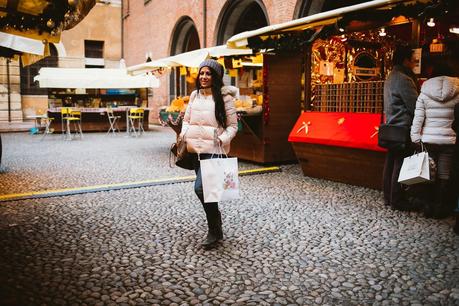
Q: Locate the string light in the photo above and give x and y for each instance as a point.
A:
(431, 22)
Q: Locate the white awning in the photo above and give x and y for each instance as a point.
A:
(188, 59)
(93, 78)
(22, 44)
(329, 17)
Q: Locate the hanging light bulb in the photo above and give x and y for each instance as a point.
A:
(431, 22)
(382, 32)
(454, 30)
(343, 37)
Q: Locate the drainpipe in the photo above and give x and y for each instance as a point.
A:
(9, 87)
(122, 29)
(204, 22)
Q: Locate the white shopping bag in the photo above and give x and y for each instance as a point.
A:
(220, 180)
(415, 169)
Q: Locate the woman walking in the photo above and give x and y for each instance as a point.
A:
(209, 125)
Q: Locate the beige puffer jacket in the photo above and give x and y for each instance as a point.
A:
(434, 111)
(199, 123)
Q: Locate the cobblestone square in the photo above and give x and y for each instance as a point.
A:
(290, 239)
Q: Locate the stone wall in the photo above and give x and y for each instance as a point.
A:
(14, 92)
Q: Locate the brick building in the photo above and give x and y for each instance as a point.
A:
(162, 28)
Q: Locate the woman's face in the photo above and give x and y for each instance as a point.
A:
(205, 77)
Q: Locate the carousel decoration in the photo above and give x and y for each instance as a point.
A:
(42, 20)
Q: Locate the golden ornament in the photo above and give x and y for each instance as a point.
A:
(50, 23)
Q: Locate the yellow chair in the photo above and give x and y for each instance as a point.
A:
(69, 115)
(136, 116)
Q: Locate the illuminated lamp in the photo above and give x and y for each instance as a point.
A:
(431, 22)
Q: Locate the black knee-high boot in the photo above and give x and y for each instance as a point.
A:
(214, 225)
(442, 206)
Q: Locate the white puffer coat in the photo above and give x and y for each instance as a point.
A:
(200, 125)
(434, 111)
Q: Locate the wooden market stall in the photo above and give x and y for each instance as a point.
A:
(347, 56)
(92, 91)
(268, 96)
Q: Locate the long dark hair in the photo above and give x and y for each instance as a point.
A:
(217, 84)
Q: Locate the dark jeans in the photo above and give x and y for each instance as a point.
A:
(442, 192)
(211, 209)
(394, 194)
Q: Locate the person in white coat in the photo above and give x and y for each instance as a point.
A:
(432, 125)
(209, 125)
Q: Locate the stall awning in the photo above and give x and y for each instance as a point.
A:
(188, 59)
(315, 21)
(93, 78)
(21, 44)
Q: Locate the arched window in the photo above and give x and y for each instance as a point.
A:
(28, 86)
(184, 38)
(238, 16)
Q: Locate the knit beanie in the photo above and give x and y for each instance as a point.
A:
(214, 65)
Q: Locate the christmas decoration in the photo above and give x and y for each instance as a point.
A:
(50, 23)
(53, 18)
(266, 109)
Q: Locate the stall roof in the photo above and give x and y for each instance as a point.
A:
(189, 59)
(21, 44)
(93, 78)
(321, 19)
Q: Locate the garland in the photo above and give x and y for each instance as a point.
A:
(283, 42)
(266, 108)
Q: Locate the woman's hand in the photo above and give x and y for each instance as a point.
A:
(416, 146)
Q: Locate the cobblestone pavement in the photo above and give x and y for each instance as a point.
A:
(291, 240)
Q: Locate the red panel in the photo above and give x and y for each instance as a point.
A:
(353, 130)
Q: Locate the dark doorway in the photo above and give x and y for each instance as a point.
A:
(28, 85)
(185, 38)
(239, 16)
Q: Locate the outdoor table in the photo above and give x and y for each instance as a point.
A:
(38, 120)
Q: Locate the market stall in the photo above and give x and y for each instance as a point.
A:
(256, 140)
(92, 90)
(347, 56)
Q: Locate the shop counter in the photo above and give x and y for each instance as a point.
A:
(95, 119)
(341, 147)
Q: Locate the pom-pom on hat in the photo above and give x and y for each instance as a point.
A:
(214, 65)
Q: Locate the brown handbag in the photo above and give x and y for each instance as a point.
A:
(183, 158)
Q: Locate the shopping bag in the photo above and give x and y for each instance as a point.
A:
(415, 169)
(220, 181)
